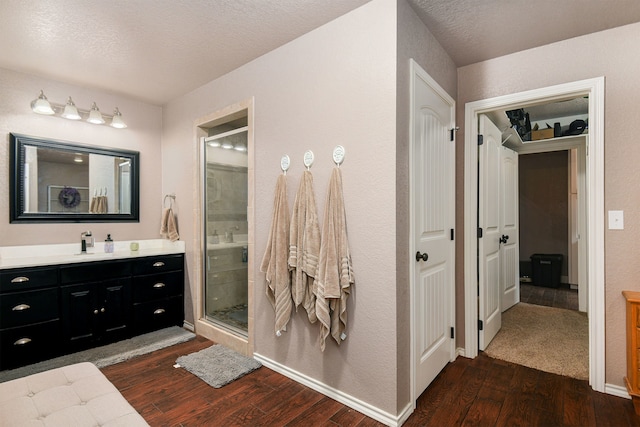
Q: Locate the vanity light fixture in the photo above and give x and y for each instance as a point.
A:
(240, 146)
(41, 105)
(116, 121)
(227, 145)
(95, 116)
(70, 111)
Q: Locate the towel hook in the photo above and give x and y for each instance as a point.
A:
(308, 159)
(285, 162)
(338, 155)
(171, 197)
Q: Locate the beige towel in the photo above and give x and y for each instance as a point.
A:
(92, 206)
(274, 263)
(168, 225)
(164, 222)
(335, 272)
(304, 246)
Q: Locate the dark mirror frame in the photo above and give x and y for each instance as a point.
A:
(16, 190)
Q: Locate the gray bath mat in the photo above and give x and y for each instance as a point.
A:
(218, 365)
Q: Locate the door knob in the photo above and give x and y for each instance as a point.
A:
(422, 257)
(504, 239)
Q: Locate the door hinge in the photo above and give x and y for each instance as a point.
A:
(480, 139)
(453, 334)
(479, 232)
(453, 133)
(480, 325)
(452, 234)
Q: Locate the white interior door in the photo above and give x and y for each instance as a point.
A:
(433, 212)
(509, 247)
(489, 270)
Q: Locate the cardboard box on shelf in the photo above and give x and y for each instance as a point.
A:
(541, 134)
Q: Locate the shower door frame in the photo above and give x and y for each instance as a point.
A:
(204, 327)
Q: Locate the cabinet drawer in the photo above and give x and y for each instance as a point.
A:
(153, 315)
(31, 278)
(23, 308)
(25, 345)
(158, 264)
(158, 286)
(94, 271)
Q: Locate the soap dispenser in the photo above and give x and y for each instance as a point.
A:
(108, 244)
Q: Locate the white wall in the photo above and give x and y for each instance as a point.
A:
(142, 134)
(335, 85)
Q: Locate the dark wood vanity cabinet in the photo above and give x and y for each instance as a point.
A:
(158, 292)
(96, 302)
(66, 308)
(29, 316)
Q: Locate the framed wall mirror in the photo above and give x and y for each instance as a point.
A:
(59, 181)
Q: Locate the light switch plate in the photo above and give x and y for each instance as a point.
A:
(616, 220)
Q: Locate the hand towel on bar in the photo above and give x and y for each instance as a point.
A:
(172, 227)
(168, 226)
(275, 261)
(103, 206)
(304, 246)
(92, 206)
(335, 273)
(164, 222)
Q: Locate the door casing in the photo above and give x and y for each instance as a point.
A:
(594, 89)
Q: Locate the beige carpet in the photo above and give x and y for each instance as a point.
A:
(545, 338)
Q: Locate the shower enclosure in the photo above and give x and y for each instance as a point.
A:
(226, 227)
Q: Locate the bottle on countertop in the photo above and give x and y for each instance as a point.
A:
(108, 244)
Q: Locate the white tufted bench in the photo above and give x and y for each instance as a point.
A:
(74, 395)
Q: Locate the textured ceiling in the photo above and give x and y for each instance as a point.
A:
(154, 50)
(157, 50)
(475, 30)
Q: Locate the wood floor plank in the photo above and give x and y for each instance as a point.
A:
(320, 412)
(470, 392)
(346, 417)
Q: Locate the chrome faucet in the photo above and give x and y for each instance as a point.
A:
(86, 241)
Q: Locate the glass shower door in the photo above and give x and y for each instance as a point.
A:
(226, 228)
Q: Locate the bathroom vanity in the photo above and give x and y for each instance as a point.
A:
(53, 304)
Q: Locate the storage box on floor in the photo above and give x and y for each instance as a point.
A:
(545, 269)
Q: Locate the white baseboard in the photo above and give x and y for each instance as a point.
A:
(348, 400)
(188, 326)
(616, 390)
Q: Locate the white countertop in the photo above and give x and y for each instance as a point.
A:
(69, 253)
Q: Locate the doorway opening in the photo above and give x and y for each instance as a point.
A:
(594, 207)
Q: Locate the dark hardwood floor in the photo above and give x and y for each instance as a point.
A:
(560, 297)
(478, 392)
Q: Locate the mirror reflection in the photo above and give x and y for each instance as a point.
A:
(55, 180)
